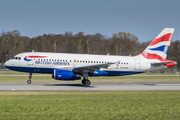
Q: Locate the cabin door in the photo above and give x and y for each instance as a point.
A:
(137, 64)
(30, 59)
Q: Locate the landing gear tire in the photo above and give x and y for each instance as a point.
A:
(29, 82)
(83, 81)
(86, 82)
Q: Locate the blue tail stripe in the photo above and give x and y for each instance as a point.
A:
(163, 48)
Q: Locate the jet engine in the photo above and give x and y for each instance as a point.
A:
(60, 74)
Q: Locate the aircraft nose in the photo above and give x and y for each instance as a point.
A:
(6, 63)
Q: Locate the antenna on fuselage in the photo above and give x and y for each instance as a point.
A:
(108, 54)
(33, 51)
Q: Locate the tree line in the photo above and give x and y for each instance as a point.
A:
(122, 43)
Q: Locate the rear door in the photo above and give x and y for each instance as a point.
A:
(137, 64)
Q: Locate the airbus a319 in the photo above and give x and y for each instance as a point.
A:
(65, 66)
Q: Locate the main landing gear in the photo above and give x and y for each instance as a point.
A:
(86, 82)
(30, 76)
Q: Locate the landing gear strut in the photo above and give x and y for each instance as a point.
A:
(30, 76)
(86, 82)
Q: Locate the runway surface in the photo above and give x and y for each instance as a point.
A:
(149, 86)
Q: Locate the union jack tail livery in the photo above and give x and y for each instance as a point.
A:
(158, 48)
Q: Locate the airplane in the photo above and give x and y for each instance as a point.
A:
(64, 66)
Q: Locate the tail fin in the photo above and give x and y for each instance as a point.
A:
(159, 47)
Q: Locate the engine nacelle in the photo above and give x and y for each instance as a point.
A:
(60, 74)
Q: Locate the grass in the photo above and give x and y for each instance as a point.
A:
(90, 105)
(146, 105)
(44, 78)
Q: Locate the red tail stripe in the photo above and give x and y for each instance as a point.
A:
(152, 56)
(155, 56)
(166, 37)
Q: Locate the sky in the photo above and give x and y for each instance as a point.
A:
(143, 18)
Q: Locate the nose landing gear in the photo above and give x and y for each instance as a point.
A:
(30, 76)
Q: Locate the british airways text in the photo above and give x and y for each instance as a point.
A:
(50, 63)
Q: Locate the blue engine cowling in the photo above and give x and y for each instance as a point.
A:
(65, 75)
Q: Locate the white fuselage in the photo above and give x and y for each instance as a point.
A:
(41, 62)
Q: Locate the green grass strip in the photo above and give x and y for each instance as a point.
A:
(90, 105)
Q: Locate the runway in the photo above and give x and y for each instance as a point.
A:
(148, 86)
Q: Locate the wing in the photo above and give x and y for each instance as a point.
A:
(91, 68)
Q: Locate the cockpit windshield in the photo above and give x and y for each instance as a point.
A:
(17, 58)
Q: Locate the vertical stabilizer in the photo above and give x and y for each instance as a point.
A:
(159, 47)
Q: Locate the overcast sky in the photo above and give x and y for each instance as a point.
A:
(143, 18)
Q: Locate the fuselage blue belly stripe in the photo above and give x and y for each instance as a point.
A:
(51, 71)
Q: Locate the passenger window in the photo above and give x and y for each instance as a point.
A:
(19, 58)
(102, 62)
(77, 60)
(80, 61)
(66, 60)
(88, 61)
(91, 61)
(99, 61)
(16, 58)
(70, 60)
(94, 62)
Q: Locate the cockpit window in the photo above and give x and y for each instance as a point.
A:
(17, 58)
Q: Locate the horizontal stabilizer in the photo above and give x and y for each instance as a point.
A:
(167, 63)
